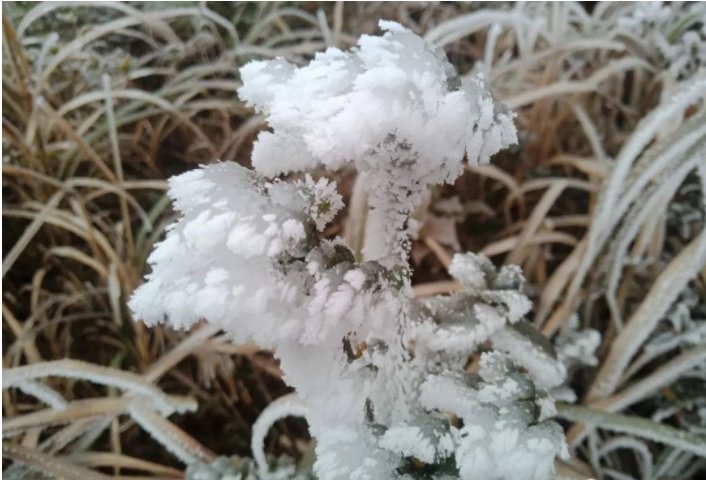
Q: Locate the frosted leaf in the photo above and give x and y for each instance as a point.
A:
(450, 393)
(515, 304)
(510, 277)
(461, 322)
(233, 255)
(493, 366)
(532, 353)
(507, 390)
(344, 452)
(190, 190)
(490, 320)
(488, 302)
(429, 442)
(502, 437)
(493, 129)
(495, 452)
(460, 337)
(335, 324)
(546, 404)
(492, 449)
(471, 270)
(502, 383)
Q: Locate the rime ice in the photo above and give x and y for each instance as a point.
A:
(393, 107)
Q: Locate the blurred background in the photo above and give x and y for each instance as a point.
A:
(598, 203)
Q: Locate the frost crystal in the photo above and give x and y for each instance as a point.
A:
(381, 374)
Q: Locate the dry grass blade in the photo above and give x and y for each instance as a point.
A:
(45, 8)
(106, 459)
(536, 218)
(514, 243)
(635, 426)
(73, 224)
(117, 163)
(553, 289)
(188, 345)
(75, 136)
(81, 257)
(49, 464)
(75, 369)
(44, 393)
(588, 166)
(568, 87)
(664, 376)
(644, 209)
(28, 346)
(438, 250)
(37, 221)
(78, 409)
(184, 447)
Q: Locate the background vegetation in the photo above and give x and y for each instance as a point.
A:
(601, 204)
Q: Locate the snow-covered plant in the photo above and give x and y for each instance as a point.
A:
(386, 379)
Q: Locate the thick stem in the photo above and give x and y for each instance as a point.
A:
(393, 193)
(387, 236)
